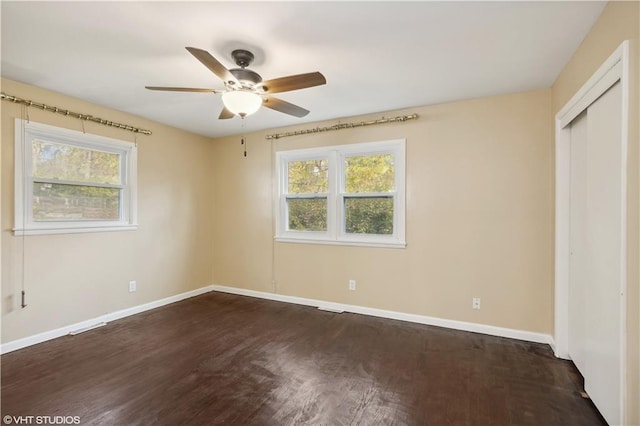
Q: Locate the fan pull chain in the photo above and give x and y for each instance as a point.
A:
(243, 140)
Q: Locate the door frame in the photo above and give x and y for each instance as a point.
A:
(614, 69)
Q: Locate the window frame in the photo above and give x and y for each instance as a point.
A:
(26, 132)
(311, 155)
(336, 225)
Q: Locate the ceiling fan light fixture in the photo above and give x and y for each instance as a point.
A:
(245, 88)
(241, 102)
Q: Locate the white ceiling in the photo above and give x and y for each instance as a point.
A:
(376, 56)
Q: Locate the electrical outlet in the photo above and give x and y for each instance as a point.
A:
(475, 304)
(352, 285)
(132, 286)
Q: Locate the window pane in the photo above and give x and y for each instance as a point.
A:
(368, 215)
(307, 214)
(308, 177)
(54, 202)
(66, 162)
(370, 173)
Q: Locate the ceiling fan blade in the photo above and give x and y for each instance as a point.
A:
(293, 82)
(212, 63)
(183, 89)
(284, 106)
(225, 114)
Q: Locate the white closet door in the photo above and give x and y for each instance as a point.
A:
(596, 240)
(578, 267)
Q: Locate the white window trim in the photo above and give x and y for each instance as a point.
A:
(25, 133)
(335, 234)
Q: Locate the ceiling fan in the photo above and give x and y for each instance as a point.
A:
(245, 91)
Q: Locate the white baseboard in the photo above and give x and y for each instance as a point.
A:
(328, 306)
(93, 322)
(420, 319)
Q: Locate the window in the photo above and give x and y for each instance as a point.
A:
(349, 195)
(68, 181)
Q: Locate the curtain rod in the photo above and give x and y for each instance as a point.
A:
(343, 126)
(66, 112)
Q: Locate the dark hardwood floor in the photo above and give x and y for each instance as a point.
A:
(225, 359)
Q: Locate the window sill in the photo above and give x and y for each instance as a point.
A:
(79, 230)
(397, 245)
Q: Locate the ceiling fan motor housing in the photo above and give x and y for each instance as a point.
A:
(246, 77)
(244, 58)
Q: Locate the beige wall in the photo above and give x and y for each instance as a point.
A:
(75, 277)
(479, 217)
(619, 21)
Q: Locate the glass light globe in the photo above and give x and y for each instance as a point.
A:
(241, 102)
